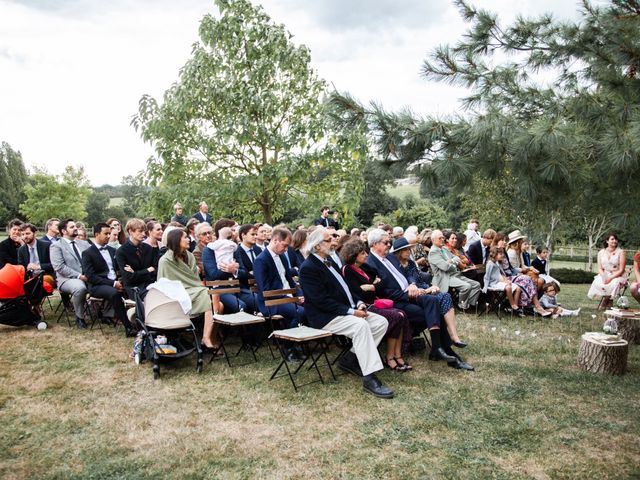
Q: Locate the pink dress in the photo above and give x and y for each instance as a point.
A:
(610, 262)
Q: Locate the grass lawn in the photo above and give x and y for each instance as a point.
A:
(73, 405)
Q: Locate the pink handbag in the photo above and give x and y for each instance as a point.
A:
(383, 303)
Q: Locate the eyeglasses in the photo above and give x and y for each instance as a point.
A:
(206, 233)
(388, 243)
(328, 240)
(335, 235)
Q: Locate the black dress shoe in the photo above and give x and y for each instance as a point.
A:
(440, 354)
(80, 323)
(299, 351)
(107, 321)
(460, 344)
(461, 365)
(349, 363)
(371, 384)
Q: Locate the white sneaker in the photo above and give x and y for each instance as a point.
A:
(576, 312)
(41, 325)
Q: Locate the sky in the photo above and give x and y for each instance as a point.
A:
(72, 71)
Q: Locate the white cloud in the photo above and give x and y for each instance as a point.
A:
(74, 71)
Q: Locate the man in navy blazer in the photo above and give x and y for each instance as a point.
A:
(203, 213)
(330, 305)
(272, 272)
(479, 250)
(99, 266)
(34, 253)
(422, 310)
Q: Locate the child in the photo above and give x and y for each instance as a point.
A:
(224, 247)
(495, 278)
(540, 264)
(550, 303)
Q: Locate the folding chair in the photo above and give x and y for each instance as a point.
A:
(314, 341)
(495, 301)
(240, 320)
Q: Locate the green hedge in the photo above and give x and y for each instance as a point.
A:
(584, 259)
(571, 275)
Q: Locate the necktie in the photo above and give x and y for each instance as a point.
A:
(103, 248)
(32, 255)
(253, 256)
(328, 263)
(75, 250)
(486, 254)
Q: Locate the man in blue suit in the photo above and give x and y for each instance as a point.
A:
(331, 306)
(422, 310)
(272, 272)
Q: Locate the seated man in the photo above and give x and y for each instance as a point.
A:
(204, 236)
(138, 261)
(423, 311)
(446, 274)
(99, 266)
(9, 246)
(478, 251)
(272, 272)
(246, 253)
(34, 254)
(67, 262)
(52, 234)
(331, 306)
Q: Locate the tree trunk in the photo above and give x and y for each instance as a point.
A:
(628, 326)
(555, 219)
(599, 356)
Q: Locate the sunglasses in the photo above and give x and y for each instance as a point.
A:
(335, 235)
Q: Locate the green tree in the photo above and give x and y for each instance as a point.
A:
(375, 199)
(246, 119)
(553, 105)
(63, 196)
(13, 177)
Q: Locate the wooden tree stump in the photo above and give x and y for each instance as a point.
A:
(602, 353)
(628, 324)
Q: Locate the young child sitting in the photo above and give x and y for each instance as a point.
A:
(549, 302)
(495, 279)
(540, 264)
(224, 247)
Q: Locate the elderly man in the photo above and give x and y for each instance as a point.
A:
(202, 214)
(204, 236)
(422, 309)
(331, 306)
(66, 258)
(446, 273)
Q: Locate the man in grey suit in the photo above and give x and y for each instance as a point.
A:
(66, 258)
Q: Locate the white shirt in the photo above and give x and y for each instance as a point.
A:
(336, 258)
(280, 268)
(400, 278)
(250, 253)
(107, 258)
(342, 283)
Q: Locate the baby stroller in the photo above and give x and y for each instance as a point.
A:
(19, 299)
(160, 317)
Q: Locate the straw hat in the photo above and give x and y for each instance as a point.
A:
(515, 236)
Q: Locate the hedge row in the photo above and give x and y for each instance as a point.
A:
(571, 275)
(584, 259)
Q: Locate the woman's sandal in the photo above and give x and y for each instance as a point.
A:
(396, 367)
(402, 365)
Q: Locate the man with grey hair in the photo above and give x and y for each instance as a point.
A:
(422, 310)
(446, 274)
(203, 213)
(331, 306)
(397, 232)
(52, 234)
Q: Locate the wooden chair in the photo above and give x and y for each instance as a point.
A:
(313, 341)
(231, 321)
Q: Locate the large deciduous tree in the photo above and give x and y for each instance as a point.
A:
(553, 105)
(13, 177)
(63, 196)
(245, 125)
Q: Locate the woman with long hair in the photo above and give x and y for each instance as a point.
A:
(117, 236)
(178, 263)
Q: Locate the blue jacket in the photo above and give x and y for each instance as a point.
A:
(267, 277)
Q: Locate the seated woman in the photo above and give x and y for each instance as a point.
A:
(611, 276)
(365, 284)
(495, 279)
(528, 290)
(178, 263)
(635, 286)
(299, 242)
(421, 250)
(402, 252)
(455, 243)
(515, 251)
(154, 236)
(117, 236)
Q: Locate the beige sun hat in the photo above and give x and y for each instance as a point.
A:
(515, 236)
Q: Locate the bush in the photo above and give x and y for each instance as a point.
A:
(571, 275)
